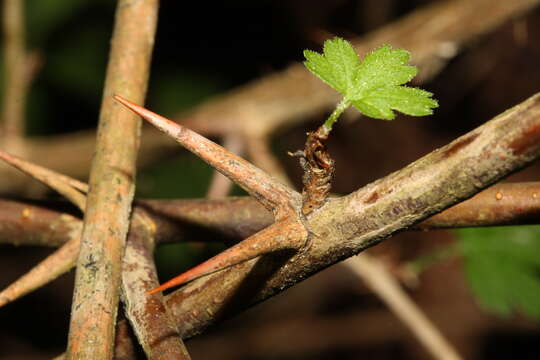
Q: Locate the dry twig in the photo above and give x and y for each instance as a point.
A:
(383, 283)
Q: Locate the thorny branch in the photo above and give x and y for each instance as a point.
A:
(510, 134)
(25, 223)
(150, 319)
(236, 218)
(348, 225)
(287, 233)
(318, 169)
(519, 146)
(405, 213)
(503, 203)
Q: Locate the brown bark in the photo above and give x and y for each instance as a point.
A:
(501, 204)
(149, 316)
(106, 222)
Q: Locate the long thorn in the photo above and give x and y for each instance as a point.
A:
(64, 185)
(56, 264)
(63, 259)
(270, 192)
(285, 234)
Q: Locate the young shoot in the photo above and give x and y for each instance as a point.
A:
(374, 86)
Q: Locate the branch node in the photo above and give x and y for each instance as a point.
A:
(318, 169)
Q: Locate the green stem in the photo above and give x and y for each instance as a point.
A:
(340, 108)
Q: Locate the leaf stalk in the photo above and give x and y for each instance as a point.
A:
(340, 108)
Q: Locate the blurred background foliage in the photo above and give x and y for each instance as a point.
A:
(210, 47)
(502, 264)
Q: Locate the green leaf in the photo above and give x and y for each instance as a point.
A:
(382, 68)
(380, 102)
(374, 85)
(337, 67)
(502, 266)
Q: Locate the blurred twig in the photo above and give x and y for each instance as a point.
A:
(382, 282)
(322, 334)
(289, 97)
(15, 85)
(260, 154)
(20, 68)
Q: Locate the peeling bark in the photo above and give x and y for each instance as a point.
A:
(150, 318)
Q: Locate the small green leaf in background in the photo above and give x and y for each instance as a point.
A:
(502, 266)
(374, 85)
